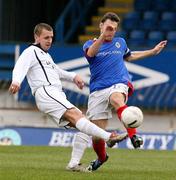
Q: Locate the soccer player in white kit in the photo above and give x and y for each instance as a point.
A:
(44, 76)
(110, 86)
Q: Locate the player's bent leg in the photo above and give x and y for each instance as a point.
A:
(79, 145)
(118, 102)
(76, 118)
(136, 140)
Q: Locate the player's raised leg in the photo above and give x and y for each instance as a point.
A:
(118, 100)
(78, 120)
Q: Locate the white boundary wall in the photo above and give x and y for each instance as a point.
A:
(34, 118)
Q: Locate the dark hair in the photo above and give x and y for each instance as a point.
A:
(112, 16)
(39, 27)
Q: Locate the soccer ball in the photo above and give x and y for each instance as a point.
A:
(132, 117)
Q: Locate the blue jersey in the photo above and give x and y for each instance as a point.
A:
(107, 67)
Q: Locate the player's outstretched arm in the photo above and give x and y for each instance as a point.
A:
(159, 47)
(135, 55)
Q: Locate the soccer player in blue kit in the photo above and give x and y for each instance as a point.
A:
(110, 86)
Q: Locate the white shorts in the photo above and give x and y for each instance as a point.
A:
(52, 101)
(98, 102)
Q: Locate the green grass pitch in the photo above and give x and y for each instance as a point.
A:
(48, 163)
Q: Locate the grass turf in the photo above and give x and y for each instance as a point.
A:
(48, 163)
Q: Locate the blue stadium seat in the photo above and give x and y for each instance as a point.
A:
(142, 5)
(155, 37)
(131, 20)
(137, 38)
(171, 37)
(129, 24)
(170, 16)
(167, 25)
(151, 15)
(148, 25)
(168, 22)
(173, 5)
(122, 34)
(149, 21)
(161, 5)
(133, 15)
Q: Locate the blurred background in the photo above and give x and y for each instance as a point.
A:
(143, 25)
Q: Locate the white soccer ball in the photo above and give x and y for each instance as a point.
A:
(132, 117)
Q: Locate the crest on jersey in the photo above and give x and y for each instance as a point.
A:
(117, 44)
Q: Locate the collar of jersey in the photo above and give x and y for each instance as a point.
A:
(38, 45)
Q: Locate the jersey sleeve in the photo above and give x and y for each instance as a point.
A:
(66, 75)
(22, 66)
(86, 47)
(127, 53)
(127, 50)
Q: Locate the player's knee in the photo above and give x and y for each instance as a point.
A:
(73, 114)
(102, 123)
(117, 100)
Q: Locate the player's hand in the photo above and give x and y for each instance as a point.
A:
(14, 87)
(107, 30)
(158, 48)
(78, 81)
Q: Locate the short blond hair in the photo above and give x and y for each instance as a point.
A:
(39, 27)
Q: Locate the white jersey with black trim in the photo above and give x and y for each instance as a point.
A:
(39, 68)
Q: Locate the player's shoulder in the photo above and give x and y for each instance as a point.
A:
(30, 50)
(88, 43)
(27, 50)
(31, 47)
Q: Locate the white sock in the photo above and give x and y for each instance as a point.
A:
(79, 145)
(89, 128)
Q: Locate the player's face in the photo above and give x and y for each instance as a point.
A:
(44, 39)
(110, 32)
